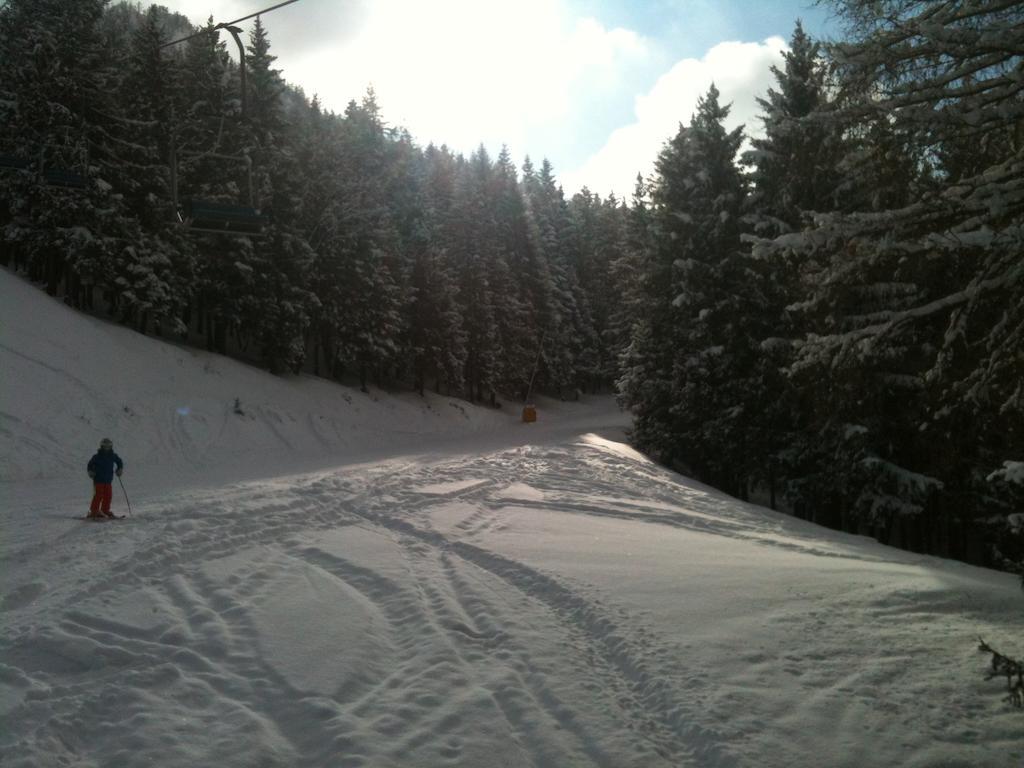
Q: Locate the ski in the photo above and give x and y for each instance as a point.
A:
(100, 519)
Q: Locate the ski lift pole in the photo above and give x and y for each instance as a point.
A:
(241, 61)
(536, 365)
(173, 160)
(248, 176)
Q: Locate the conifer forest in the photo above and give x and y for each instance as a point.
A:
(827, 318)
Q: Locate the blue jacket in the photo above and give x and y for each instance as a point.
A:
(103, 466)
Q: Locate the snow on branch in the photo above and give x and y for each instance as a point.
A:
(946, 62)
(976, 212)
(1004, 666)
(896, 318)
(943, 29)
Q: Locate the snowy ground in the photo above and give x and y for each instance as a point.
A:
(438, 585)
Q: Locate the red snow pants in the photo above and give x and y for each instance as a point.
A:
(101, 499)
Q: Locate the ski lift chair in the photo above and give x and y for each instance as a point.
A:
(12, 162)
(62, 177)
(221, 218)
(215, 216)
(57, 166)
(65, 166)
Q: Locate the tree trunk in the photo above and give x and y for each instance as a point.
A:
(54, 267)
(220, 336)
(72, 289)
(419, 382)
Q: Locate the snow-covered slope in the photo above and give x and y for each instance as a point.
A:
(334, 579)
(70, 379)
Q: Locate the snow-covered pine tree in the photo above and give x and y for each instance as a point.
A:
(793, 172)
(690, 360)
(265, 88)
(322, 215)
(281, 313)
(517, 312)
(599, 232)
(208, 128)
(537, 278)
(438, 342)
(342, 207)
(149, 95)
(366, 316)
(627, 273)
(156, 273)
(433, 343)
(793, 165)
(915, 363)
(646, 362)
(67, 221)
(469, 240)
(284, 305)
(51, 62)
(569, 350)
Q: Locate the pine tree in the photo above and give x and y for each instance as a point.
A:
(366, 304)
(156, 274)
(207, 132)
(628, 270)
(435, 341)
(599, 229)
(148, 93)
(916, 292)
(688, 359)
(283, 308)
(264, 88)
(569, 349)
(473, 251)
(794, 172)
(438, 340)
(73, 229)
(794, 163)
(513, 270)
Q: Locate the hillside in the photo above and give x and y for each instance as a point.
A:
(332, 578)
(171, 409)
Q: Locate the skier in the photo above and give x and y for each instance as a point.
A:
(101, 470)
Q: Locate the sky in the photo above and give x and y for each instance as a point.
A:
(595, 86)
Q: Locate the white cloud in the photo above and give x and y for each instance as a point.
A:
(462, 72)
(295, 30)
(741, 72)
(526, 73)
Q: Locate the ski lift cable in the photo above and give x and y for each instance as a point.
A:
(230, 23)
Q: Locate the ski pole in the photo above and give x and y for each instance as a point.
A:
(125, 494)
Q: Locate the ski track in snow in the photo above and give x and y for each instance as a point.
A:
(514, 595)
(511, 643)
(363, 617)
